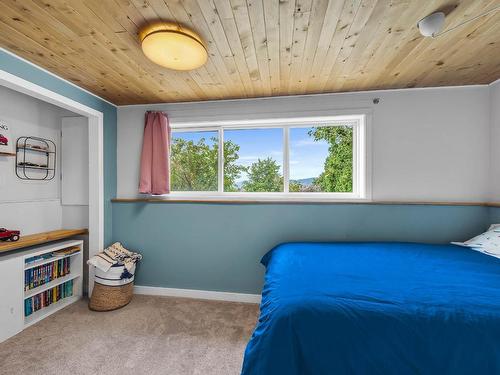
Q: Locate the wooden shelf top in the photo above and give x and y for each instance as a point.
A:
(40, 238)
(2, 153)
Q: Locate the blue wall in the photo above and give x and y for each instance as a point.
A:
(494, 215)
(219, 246)
(30, 73)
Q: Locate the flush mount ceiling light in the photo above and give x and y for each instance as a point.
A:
(173, 46)
(432, 24)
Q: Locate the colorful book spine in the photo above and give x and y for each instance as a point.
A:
(36, 276)
(48, 297)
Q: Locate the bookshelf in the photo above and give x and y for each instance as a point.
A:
(50, 285)
(37, 282)
(49, 310)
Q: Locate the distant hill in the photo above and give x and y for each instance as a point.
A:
(304, 181)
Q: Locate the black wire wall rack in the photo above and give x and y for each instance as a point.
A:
(31, 167)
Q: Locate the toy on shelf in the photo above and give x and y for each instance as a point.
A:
(6, 235)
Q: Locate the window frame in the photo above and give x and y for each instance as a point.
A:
(361, 170)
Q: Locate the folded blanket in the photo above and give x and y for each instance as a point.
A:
(115, 254)
(102, 261)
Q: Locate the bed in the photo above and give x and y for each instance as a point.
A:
(377, 308)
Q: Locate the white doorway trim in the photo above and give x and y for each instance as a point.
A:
(96, 141)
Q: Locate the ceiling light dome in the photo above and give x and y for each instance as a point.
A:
(173, 46)
(432, 24)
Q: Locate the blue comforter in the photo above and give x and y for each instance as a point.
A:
(377, 308)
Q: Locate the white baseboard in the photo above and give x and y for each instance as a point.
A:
(197, 294)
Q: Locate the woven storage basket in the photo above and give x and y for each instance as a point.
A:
(107, 298)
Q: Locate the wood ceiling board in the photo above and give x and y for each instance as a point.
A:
(242, 20)
(363, 25)
(271, 16)
(302, 22)
(344, 23)
(256, 47)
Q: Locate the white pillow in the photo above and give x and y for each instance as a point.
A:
(487, 243)
(495, 227)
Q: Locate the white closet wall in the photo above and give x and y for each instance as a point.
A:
(35, 206)
(75, 172)
(75, 161)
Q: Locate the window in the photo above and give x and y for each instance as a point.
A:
(194, 161)
(321, 159)
(299, 158)
(253, 160)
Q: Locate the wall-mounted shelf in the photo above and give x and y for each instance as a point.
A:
(35, 158)
(7, 153)
(34, 149)
(35, 167)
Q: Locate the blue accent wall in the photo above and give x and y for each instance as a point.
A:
(219, 246)
(494, 215)
(26, 71)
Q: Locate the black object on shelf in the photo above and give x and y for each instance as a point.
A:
(30, 167)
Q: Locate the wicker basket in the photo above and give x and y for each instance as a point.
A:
(107, 298)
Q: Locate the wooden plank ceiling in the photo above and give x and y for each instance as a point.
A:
(256, 47)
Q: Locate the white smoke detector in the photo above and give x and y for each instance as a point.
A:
(432, 24)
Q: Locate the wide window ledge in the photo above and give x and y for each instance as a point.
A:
(289, 200)
(248, 198)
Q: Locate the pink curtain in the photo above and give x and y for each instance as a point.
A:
(155, 177)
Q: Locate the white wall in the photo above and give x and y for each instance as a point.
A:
(75, 216)
(495, 141)
(31, 216)
(31, 206)
(427, 144)
(74, 152)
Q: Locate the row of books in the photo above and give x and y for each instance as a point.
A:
(66, 251)
(34, 277)
(48, 297)
(37, 258)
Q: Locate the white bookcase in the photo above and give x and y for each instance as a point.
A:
(12, 287)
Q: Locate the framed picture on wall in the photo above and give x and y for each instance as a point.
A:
(6, 140)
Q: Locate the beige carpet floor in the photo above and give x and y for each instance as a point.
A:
(152, 335)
